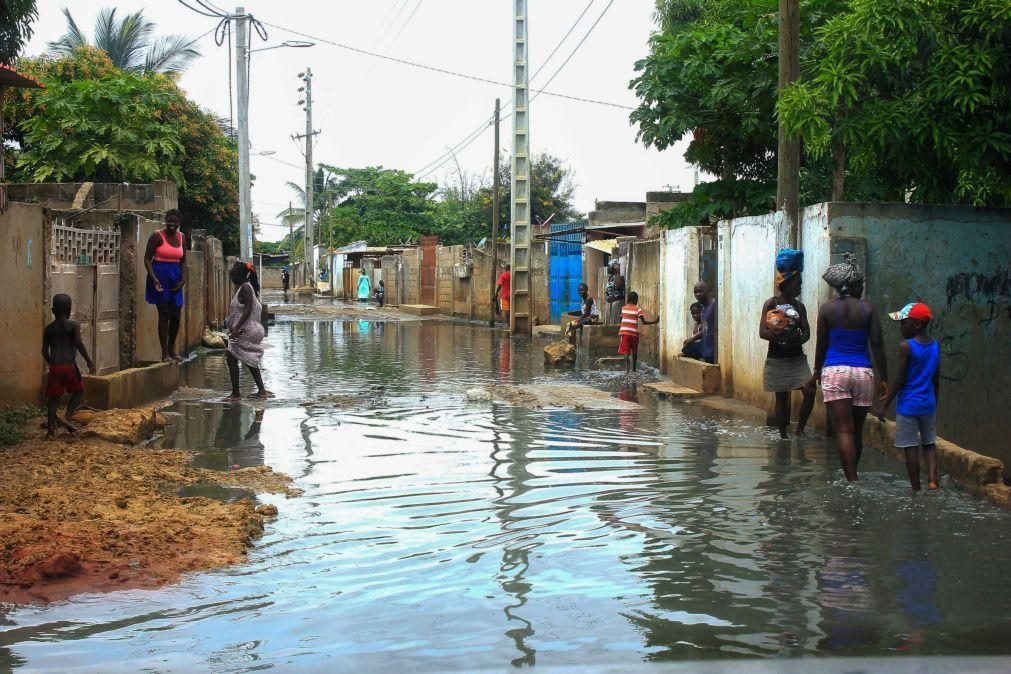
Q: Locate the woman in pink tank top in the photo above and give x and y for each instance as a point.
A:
(165, 259)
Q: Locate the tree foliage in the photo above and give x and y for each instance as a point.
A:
(16, 17)
(916, 93)
(551, 191)
(97, 122)
(905, 97)
(129, 42)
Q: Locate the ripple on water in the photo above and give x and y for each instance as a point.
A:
(435, 535)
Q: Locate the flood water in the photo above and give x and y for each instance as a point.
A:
(436, 534)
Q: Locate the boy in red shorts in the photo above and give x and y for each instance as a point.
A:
(628, 333)
(61, 342)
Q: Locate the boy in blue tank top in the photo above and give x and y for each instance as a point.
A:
(916, 387)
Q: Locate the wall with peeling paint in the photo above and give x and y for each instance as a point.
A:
(957, 260)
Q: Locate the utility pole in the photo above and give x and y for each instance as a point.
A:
(309, 241)
(494, 215)
(242, 71)
(788, 152)
(519, 252)
(291, 243)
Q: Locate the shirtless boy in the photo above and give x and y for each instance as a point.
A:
(61, 342)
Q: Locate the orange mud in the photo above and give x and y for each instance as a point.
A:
(86, 514)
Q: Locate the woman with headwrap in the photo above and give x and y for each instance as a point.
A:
(846, 325)
(784, 325)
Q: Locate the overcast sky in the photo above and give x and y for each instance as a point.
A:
(375, 112)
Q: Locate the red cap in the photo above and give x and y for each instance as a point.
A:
(921, 312)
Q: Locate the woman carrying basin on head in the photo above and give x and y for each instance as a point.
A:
(846, 326)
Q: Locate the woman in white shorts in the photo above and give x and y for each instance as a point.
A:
(847, 325)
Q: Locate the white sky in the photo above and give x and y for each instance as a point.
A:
(374, 112)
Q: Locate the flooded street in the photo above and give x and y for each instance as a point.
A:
(437, 534)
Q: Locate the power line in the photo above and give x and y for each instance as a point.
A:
(410, 16)
(573, 52)
(444, 71)
(445, 158)
(388, 21)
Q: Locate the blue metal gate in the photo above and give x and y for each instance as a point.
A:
(565, 270)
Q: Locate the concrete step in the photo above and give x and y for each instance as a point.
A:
(668, 389)
(419, 309)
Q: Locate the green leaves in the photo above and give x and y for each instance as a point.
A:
(102, 129)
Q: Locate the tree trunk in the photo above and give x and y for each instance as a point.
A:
(839, 173)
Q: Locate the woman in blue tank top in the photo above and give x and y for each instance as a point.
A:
(849, 332)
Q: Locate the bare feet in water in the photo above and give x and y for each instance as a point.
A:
(261, 395)
(233, 399)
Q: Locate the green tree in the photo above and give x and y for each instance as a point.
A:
(118, 122)
(129, 42)
(551, 187)
(16, 17)
(374, 204)
(916, 93)
(107, 130)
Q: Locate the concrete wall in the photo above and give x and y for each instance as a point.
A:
(747, 254)
(540, 295)
(957, 260)
(445, 258)
(270, 278)
(23, 313)
(195, 308)
(679, 270)
(412, 276)
(156, 197)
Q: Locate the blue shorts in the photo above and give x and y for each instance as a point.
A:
(914, 431)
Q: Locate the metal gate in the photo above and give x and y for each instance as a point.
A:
(428, 247)
(565, 271)
(94, 294)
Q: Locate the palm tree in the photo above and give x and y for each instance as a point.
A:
(129, 43)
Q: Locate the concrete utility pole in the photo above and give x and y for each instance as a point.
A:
(788, 152)
(494, 214)
(242, 71)
(519, 313)
(309, 240)
(291, 243)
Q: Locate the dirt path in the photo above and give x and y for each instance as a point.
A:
(93, 513)
(343, 310)
(574, 396)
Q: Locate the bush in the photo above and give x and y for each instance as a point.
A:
(12, 422)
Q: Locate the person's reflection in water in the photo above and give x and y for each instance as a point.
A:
(629, 418)
(916, 596)
(244, 450)
(505, 356)
(850, 620)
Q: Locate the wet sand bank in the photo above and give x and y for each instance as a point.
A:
(94, 512)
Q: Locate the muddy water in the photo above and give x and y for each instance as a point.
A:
(436, 534)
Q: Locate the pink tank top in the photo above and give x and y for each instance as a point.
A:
(166, 252)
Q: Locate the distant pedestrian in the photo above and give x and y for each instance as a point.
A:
(503, 288)
(61, 342)
(917, 386)
(245, 331)
(589, 314)
(364, 286)
(165, 260)
(691, 347)
(381, 294)
(614, 293)
(710, 319)
(285, 279)
(783, 323)
(628, 333)
(846, 325)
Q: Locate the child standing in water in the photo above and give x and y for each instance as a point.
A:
(628, 333)
(916, 388)
(61, 342)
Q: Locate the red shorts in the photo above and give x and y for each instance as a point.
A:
(628, 344)
(63, 379)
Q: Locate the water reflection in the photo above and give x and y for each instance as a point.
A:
(437, 534)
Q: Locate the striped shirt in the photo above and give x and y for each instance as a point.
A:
(630, 314)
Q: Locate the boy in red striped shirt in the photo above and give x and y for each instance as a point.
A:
(628, 333)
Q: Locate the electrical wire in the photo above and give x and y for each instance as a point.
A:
(444, 158)
(390, 21)
(190, 7)
(402, 28)
(573, 52)
(444, 71)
